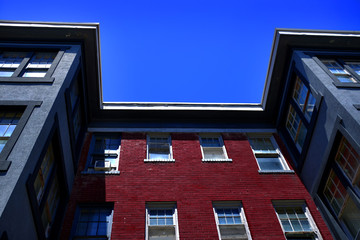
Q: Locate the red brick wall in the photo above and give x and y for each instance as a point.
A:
(192, 184)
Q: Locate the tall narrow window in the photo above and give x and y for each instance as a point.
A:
(105, 154)
(341, 190)
(93, 222)
(161, 221)
(267, 153)
(8, 122)
(213, 149)
(230, 220)
(47, 190)
(300, 112)
(159, 148)
(296, 220)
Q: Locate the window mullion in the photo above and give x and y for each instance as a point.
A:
(22, 65)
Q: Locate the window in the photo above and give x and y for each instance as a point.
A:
(230, 221)
(301, 108)
(295, 220)
(267, 154)
(93, 222)
(104, 156)
(8, 122)
(159, 149)
(26, 64)
(343, 71)
(341, 190)
(213, 149)
(161, 221)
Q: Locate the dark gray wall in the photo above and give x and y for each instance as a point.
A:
(15, 209)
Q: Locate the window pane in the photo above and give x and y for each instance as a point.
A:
(262, 145)
(310, 106)
(213, 153)
(351, 217)
(6, 73)
(35, 73)
(270, 164)
(345, 79)
(41, 60)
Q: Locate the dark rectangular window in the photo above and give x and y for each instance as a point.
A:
(301, 108)
(93, 222)
(341, 190)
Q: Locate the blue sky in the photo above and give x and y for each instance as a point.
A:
(188, 50)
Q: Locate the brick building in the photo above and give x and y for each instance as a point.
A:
(75, 167)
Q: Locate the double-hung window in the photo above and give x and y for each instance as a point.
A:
(267, 154)
(341, 70)
(230, 221)
(93, 222)
(159, 149)
(213, 149)
(161, 221)
(105, 152)
(28, 64)
(296, 220)
(8, 122)
(342, 189)
(300, 111)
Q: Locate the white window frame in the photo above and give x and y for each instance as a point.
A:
(276, 154)
(93, 154)
(225, 159)
(148, 141)
(295, 204)
(161, 206)
(231, 204)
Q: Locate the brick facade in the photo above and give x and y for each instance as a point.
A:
(192, 184)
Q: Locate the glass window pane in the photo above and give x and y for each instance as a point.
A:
(351, 217)
(286, 225)
(270, 164)
(81, 229)
(6, 73)
(222, 220)
(213, 153)
(34, 73)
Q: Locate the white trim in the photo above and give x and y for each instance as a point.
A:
(159, 135)
(162, 205)
(298, 203)
(231, 204)
(283, 162)
(181, 106)
(221, 142)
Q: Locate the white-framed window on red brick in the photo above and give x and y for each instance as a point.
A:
(159, 148)
(295, 220)
(267, 153)
(213, 148)
(161, 221)
(231, 221)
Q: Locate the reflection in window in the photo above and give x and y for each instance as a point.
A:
(341, 191)
(213, 148)
(9, 62)
(267, 153)
(159, 147)
(39, 64)
(93, 223)
(8, 122)
(300, 113)
(338, 71)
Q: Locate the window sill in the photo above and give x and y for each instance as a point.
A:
(26, 80)
(216, 160)
(346, 84)
(276, 171)
(101, 172)
(160, 160)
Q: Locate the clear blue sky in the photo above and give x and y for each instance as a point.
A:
(187, 50)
